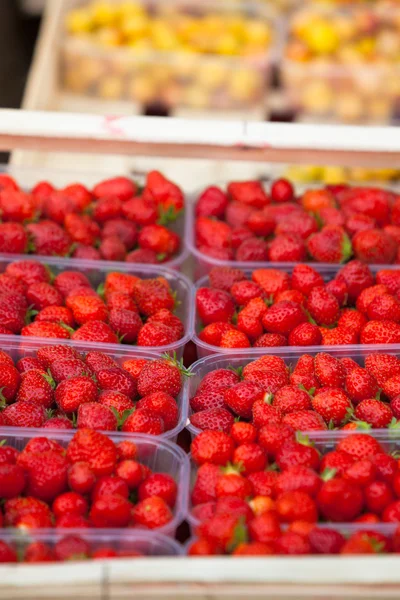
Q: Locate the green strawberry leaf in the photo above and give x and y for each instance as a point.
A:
(185, 372)
(378, 394)
(347, 248)
(240, 535)
(100, 290)
(328, 474)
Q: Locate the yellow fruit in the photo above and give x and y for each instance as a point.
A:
(111, 87)
(108, 37)
(162, 36)
(257, 33)
(212, 74)
(103, 13)
(79, 21)
(322, 38)
(349, 106)
(317, 97)
(134, 26)
(142, 89)
(244, 84)
(333, 175)
(227, 44)
(304, 174)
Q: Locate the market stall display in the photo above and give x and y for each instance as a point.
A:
(213, 57)
(342, 64)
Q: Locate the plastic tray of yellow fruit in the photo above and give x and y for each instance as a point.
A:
(343, 64)
(178, 53)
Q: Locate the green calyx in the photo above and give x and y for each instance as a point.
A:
(328, 474)
(169, 215)
(122, 417)
(173, 360)
(346, 248)
(240, 535)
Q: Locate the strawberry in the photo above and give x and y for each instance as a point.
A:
(134, 366)
(260, 223)
(29, 362)
(10, 284)
(239, 235)
(338, 336)
(296, 506)
(243, 433)
(376, 413)
(283, 317)
(106, 208)
(167, 318)
(49, 239)
(339, 500)
(93, 415)
(152, 513)
(215, 447)
(293, 453)
(250, 193)
(112, 249)
(326, 541)
(333, 405)
(328, 370)
(45, 329)
(263, 482)
(359, 446)
(305, 334)
(57, 205)
(120, 187)
(252, 250)
(380, 332)
(116, 400)
(162, 375)
(271, 281)
(156, 334)
(13, 238)
(272, 436)
(265, 528)
(212, 234)
(338, 288)
(38, 552)
(382, 366)
(234, 339)
(120, 282)
(389, 278)
(124, 230)
(71, 393)
(270, 340)
(302, 225)
(223, 278)
(374, 247)
(126, 323)
(79, 194)
(305, 278)
(12, 480)
(287, 248)
(152, 295)
(8, 182)
(373, 202)
(159, 239)
(338, 460)
(359, 222)
(161, 485)
(9, 382)
(62, 423)
(211, 203)
(130, 472)
(214, 305)
(36, 387)
(87, 308)
(166, 195)
(233, 484)
(161, 405)
(360, 385)
(267, 381)
(93, 448)
(116, 300)
(282, 190)
(250, 458)
(330, 245)
(18, 508)
(111, 511)
(304, 420)
(117, 379)
(323, 306)
(47, 474)
(71, 547)
(143, 421)
(29, 271)
(60, 315)
(218, 379)
(391, 387)
(290, 399)
(352, 320)
(142, 256)
(95, 331)
(241, 397)
(384, 308)
(17, 206)
(204, 486)
(68, 367)
(49, 354)
(297, 478)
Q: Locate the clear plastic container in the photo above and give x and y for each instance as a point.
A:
(354, 75)
(290, 355)
(160, 70)
(20, 347)
(324, 442)
(146, 543)
(96, 272)
(204, 349)
(28, 177)
(160, 455)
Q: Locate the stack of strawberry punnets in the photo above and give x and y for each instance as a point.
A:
(125, 309)
(93, 482)
(315, 393)
(266, 496)
(60, 388)
(114, 221)
(273, 308)
(328, 225)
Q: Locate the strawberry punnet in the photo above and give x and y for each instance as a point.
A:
(61, 388)
(271, 308)
(278, 495)
(125, 309)
(318, 392)
(113, 221)
(327, 225)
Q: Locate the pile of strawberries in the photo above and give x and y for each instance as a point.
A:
(93, 482)
(67, 548)
(125, 309)
(115, 221)
(273, 308)
(265, 494)
(326, 225)
(316, 393)
(60, 388)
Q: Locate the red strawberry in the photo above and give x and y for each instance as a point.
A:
(126, 323)
(382, 366)
(161, 405)
(296, 479)
(296, 506)
(56, 314)
(9, 382)
(116, 400)
(159, 239)
(234, 339)
(160, 375)
(95, 449)
(338, 288)
(305, 278)
(351, 320)
(357, 277)
(218, 379)
(152, 295)
(206, 481)
(340, 500)
(293, 453)
(118, 380)
(323, 306)
(30, 271)
(215, 447)
(95, 331)
(121, 229)
(160, 485)
(272, 436)
(333, 405)
(79, 194)
(282, 191)
(265, 528)
(45, 329)
(338, 336)
(389, 278)
(376, 413)
(249, 192)
(359, 446)
(212, 234)
(374, 247)
(233, 484)
(152, 513)
(142, 256)
(168, 319)
(12, 480)
(47, 474)
(70, 502)
(380, 332)
(167, 195)
(156, 335)
(120, 187)
(263, 482)
(287, 248)
(49, 239)
(87, 308)
(302, 225)
(241, 397)
(65, 368)
(338, 460)
(17, 509)
(143, 421)
(290, 399)
(271, 281)
(329, 371)
(93, 415)
(36, 387)
(58, 423)
(283, 317)
(82, 229)
(304, 420)
(223, 278)
(110, 512)
(252, 250)
(141, 211)
(134, 366)
(305, 334)
(29, 362)
(214, 419)
(243, 433)
(13, 238)
(260, 223)
(326, 541)
(214, 305)
(330, 245)
(360, 385)
(384, 308)
(71, 393)
(211, 203)
(237, 213)
(250, 458)
(270, 340)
